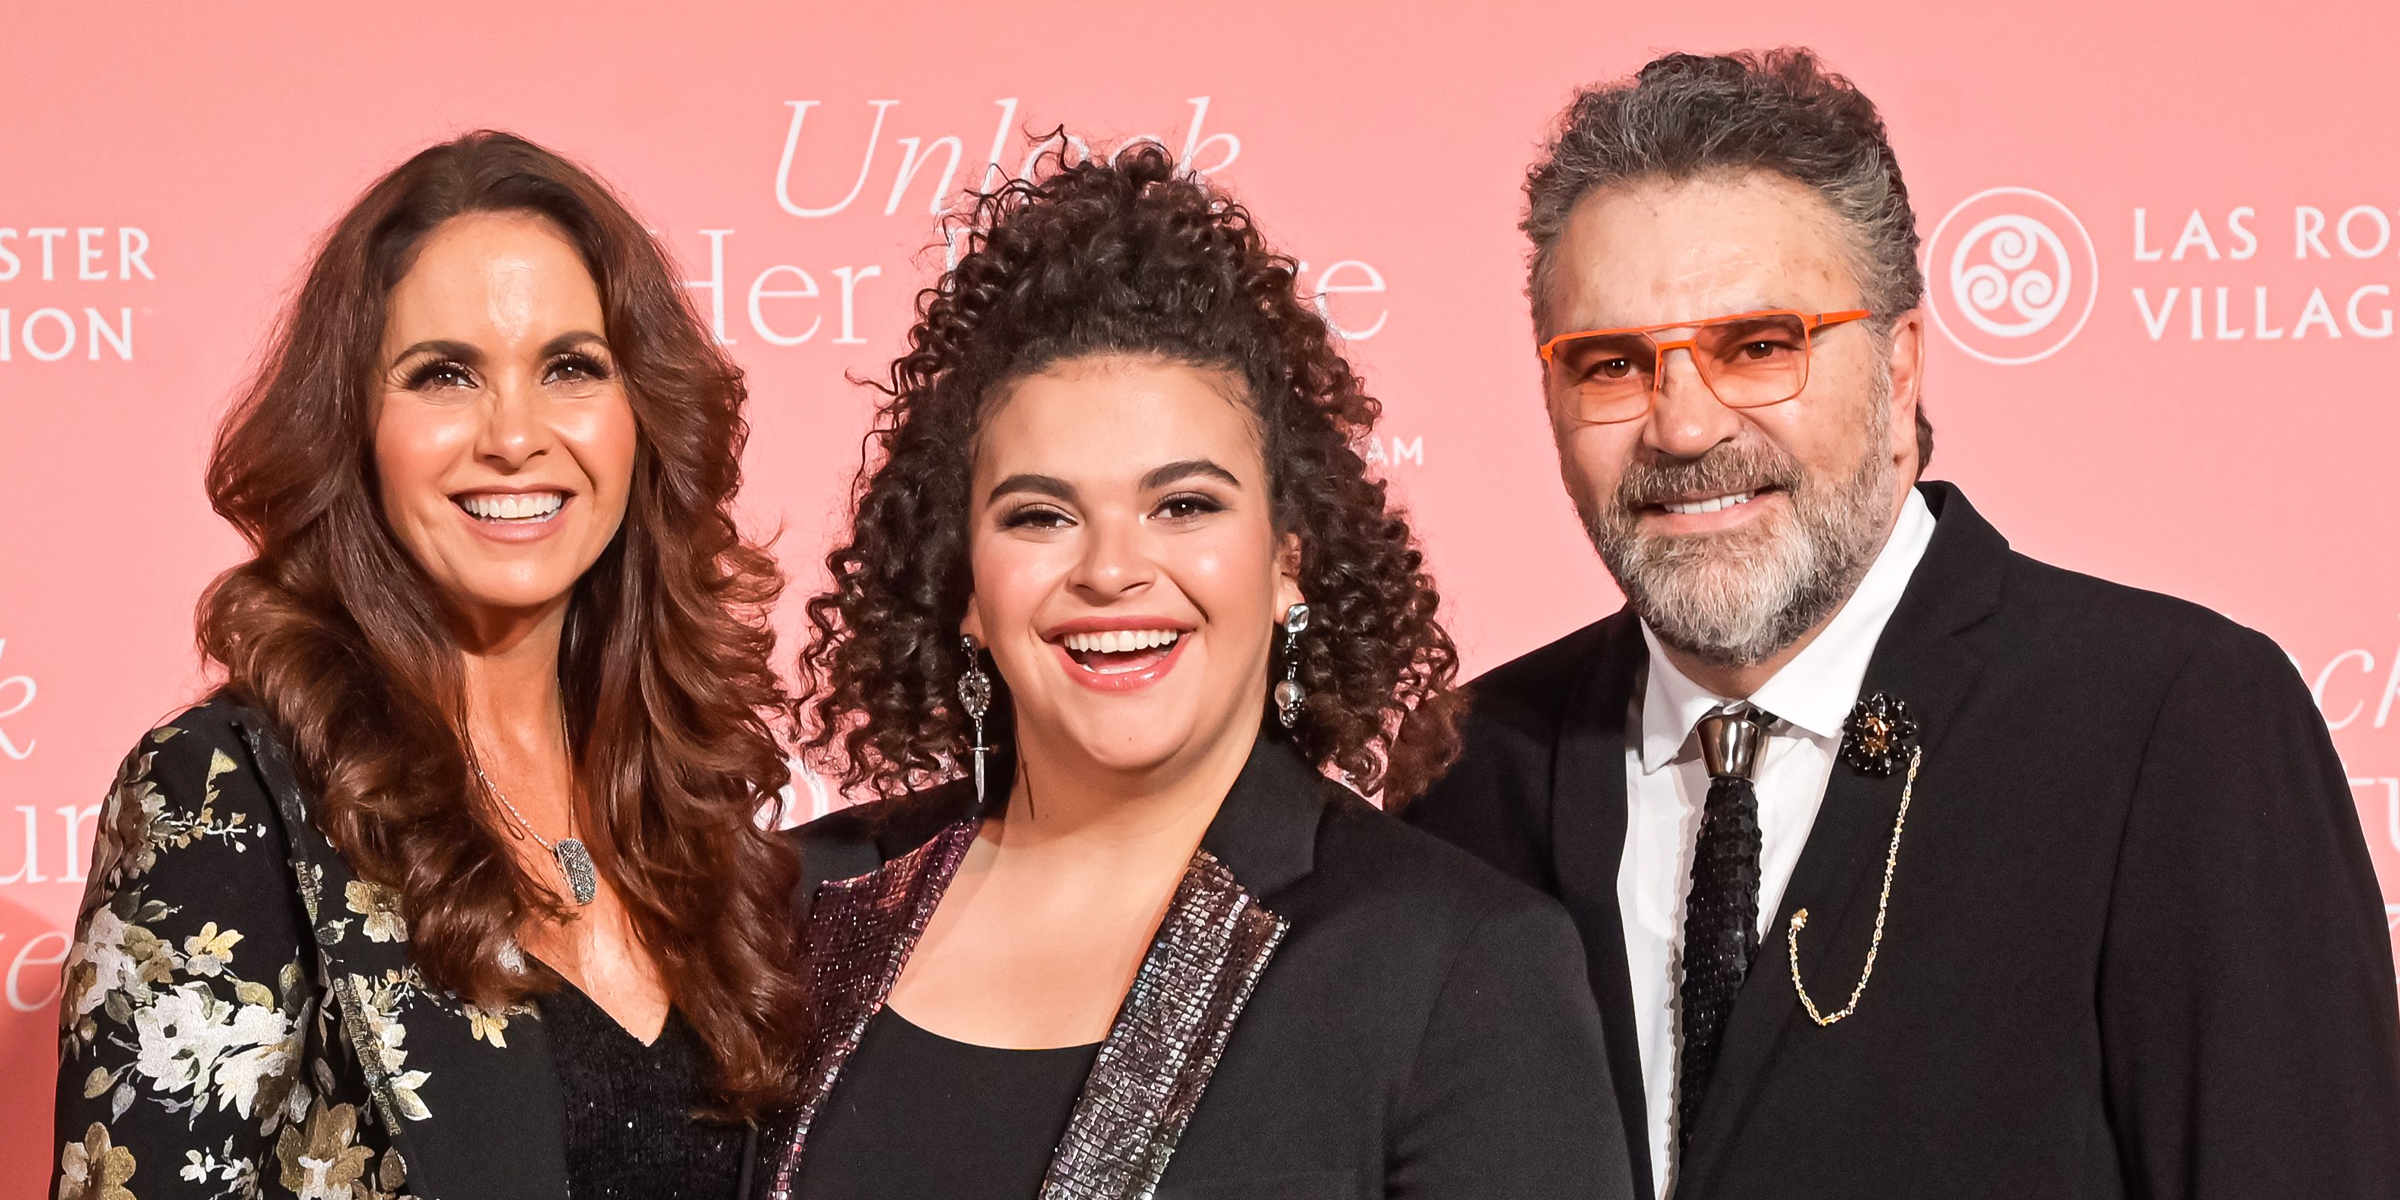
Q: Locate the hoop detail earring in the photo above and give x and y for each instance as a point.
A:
(1289, 695)
(975, 697)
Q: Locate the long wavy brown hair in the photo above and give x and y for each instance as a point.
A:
(666, 665)
(1122, 256)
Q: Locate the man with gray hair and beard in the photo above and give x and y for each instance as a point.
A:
(1906, 866)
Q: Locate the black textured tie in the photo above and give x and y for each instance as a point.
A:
(1720, 915)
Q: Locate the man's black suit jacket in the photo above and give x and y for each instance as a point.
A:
(2135, 945)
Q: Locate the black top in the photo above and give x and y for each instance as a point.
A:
(2134, 947)
(918, 1115)
(1423, 1030)
(631, 1132)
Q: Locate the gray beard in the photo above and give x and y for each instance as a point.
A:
(1735, 599)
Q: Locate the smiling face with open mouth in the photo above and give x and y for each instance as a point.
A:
(504, 442)
(1127, 571)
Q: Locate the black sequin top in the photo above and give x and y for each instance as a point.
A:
(917, 1116)
(631, 1134)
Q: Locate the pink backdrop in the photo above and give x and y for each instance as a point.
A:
(2202, 402)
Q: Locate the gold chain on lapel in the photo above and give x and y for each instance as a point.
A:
(1883, 905)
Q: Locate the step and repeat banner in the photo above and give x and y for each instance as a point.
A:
(2161, 258)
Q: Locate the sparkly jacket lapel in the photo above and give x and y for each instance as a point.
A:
(1147, 1079)
(1208, 955)
(859, 934)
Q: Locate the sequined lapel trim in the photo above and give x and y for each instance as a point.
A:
(1146, 1081)
(1208, 956)
(860, 932)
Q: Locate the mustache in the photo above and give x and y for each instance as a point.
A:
(1734, 467)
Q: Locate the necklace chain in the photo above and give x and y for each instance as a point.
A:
(502, 796)
(574, 859)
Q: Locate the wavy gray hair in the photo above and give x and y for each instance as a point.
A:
(1686, 115)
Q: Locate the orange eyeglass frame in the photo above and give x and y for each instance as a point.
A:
(1810, 323)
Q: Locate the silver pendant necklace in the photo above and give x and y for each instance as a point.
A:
(574, 861)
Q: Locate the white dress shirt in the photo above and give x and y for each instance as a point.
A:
(1666, 785)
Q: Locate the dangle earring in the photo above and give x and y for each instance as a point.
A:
(1289, 695)
(975, 695)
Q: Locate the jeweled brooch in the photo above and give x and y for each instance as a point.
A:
(1876, 738)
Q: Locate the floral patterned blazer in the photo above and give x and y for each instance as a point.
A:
(241, 1018)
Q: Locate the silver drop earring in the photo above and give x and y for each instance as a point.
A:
(975, 694)
(1289, 695)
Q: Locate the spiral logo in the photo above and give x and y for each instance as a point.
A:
(2013, 275)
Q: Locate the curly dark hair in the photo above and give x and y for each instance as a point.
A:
(1120, 256)
(666, 665)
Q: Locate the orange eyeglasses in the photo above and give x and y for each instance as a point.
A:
(1748, 361)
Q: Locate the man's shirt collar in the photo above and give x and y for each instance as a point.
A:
(1816, 690)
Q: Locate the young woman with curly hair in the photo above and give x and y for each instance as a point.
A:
(457, 887)
(1119, 569)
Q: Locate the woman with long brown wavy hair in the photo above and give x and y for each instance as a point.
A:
(1118, 567)
(457, 886)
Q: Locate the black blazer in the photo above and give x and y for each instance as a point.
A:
(2135, 945)
(1419, 1025)
(212, 891)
